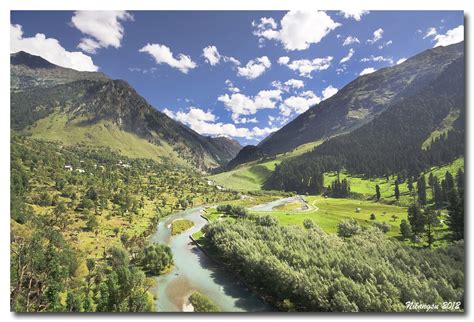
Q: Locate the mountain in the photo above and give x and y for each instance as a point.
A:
(361, 101)
(56, 103)
(423, 128)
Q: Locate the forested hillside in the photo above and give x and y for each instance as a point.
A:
(80, 219)
(390, 144)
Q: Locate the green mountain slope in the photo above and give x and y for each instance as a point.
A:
(359, 102)
(92, 108)
(393, 142)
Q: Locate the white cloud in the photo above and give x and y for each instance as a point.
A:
(104, 28)
(240, 104)
(430, 32)
(351, 40)
(346, 58)
(204, 122)
(295, 83)
(368, 70)
(254, 68)
(385, 44)
(213, 57)
(231, 87)
(378, 59)
(280, 120)
(377, 35)
(283, 60)
(452, 36)
(299, 103)
(305, 66)
(163, 55)
(288, 85)
(354, 14)
(401, 60)
(230, 59)
(329, 91)
(245, 120)
(299, 29)
(50, 49)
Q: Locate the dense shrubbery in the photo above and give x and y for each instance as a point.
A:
(201, 303)
(231, 210)
(156, 258)
(309, 270)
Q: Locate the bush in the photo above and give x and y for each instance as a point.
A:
(267, 220)
(156, 258)
(384, 227)
(202, 303)
(308, 223)
(348, 228)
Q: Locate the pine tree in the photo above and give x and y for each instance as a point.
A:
(431, 219)
(405, 229)
(397, 190)
(456, 215)
(416, 219)
(437, 194)
(377, 192)
(421, 190)
(410, 184)
(431, 180)
(460, 180)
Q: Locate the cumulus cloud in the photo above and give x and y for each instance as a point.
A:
(254, 68)
(231, 87)
(430, 32)
(163, 55)
(295, 83)
(283, 60)
(329, 91)
(213, 57)
(298, 29)
(239, 104)
(346, 58)
(299, 103)
(401, 60)
(350, 40)
(378, 59)
(354, 14)
(377, 35)
(385, 44)
(103, 28)
(204, 122)
(452, 36)
(368, 70)
(306, 66)
(288, 85)
(50, 49)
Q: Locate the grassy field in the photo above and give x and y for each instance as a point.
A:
(327, 213)
(366, 187)
(180, 225)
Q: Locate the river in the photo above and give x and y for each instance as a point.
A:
(194, 271)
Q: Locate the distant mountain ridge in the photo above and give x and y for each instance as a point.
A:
(357, 103)
(41, 91)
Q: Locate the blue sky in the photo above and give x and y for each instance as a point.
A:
(270, 67)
